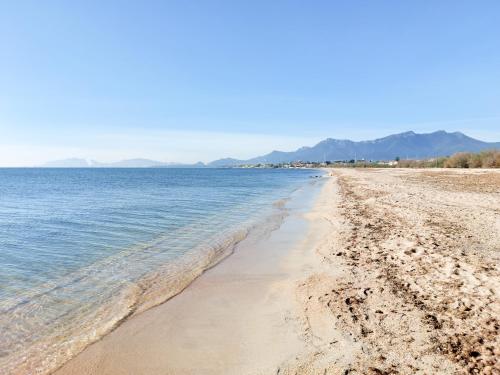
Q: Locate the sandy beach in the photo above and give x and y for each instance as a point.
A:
(388, 271)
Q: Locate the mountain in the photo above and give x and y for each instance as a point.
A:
(405, 145)
(129, 163)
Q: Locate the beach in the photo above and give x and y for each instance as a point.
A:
(386, 271)
(249, 188)
(84, 250)
(237, 318)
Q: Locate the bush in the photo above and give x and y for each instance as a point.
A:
(484, 159)
(490, 159)
(458, 160)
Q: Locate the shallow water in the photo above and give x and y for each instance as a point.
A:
(82, 249)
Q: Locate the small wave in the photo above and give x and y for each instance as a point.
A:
(46, 329)
(281, 203)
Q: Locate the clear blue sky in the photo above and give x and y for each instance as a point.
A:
(199, 80)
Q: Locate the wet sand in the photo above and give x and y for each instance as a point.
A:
(237, 318)
(390, 272)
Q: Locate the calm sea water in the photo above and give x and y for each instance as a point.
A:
(82, 249)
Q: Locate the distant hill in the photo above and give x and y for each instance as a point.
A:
(129, 163)
(405, 145)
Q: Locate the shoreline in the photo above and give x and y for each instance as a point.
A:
(250, 258)
(152, 290)
(385, 272)
(59, 342)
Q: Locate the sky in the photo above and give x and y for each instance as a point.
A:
(184, 81)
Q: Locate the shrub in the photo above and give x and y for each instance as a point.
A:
(458, 160)
(483, 159)
(490, 159)
(475, 161)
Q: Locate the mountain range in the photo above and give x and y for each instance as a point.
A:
(404, 145)
(128, 163)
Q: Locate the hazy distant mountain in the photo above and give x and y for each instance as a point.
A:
(129, 163)
(404, 145)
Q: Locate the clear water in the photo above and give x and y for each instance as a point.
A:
(82, 249)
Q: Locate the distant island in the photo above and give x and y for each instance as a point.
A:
(128, 163)
(407, 145)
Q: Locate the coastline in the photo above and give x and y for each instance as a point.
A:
(155, 288)
(388, 271)
(40, 334)
(257, 260)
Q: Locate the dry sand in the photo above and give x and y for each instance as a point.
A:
(397, 274)
(418, 291)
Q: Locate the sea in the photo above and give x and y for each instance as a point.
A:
(82, 250)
